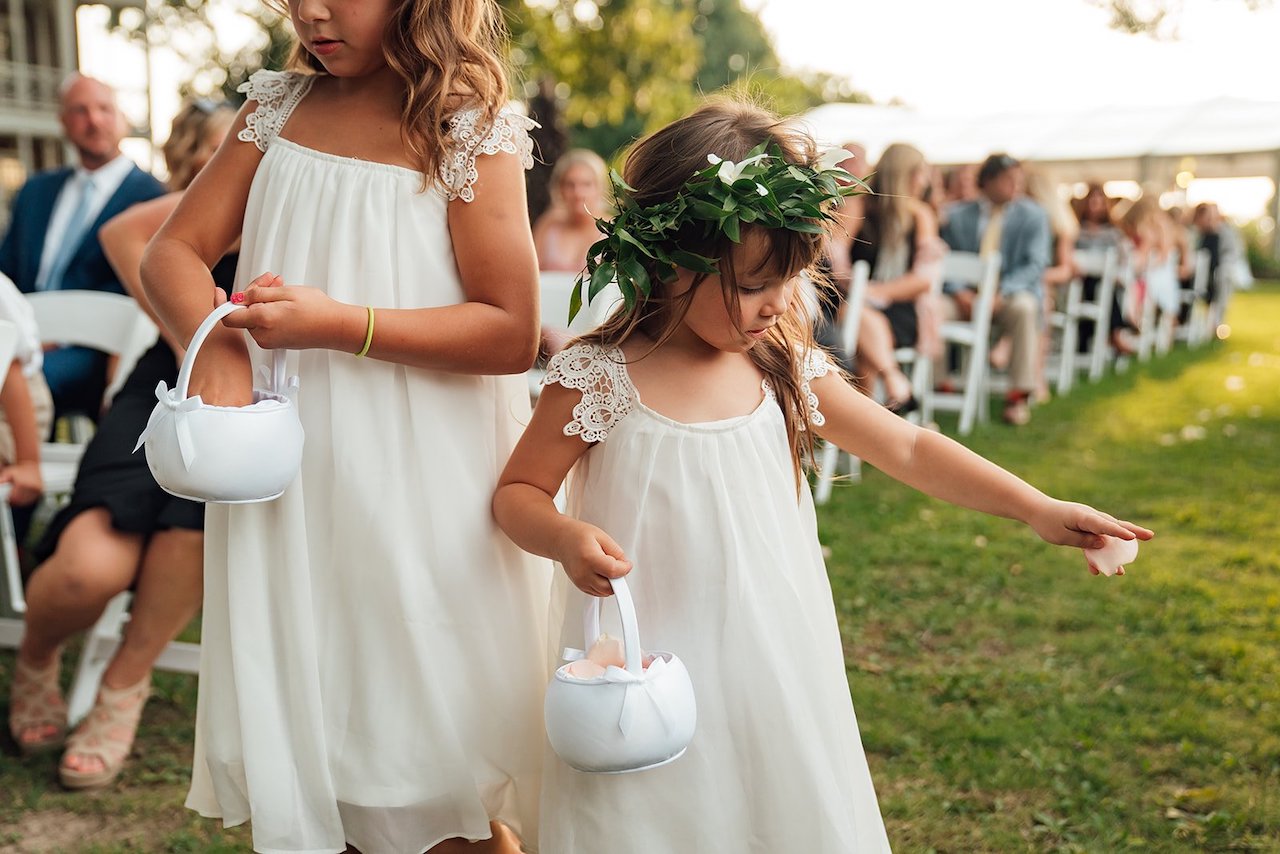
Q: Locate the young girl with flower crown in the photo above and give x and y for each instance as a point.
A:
(371, 673)
(684, 420)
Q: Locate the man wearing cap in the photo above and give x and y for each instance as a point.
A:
(52, 242)
(1003, 220)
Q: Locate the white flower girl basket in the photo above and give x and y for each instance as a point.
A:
(628, 719)
(224, 454)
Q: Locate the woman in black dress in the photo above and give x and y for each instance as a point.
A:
(120, 531)
(898, 237)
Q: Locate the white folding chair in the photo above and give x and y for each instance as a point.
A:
(11, 599)
(1221, 301)
(555, 296)
(1155, 330)
(112, 323)
(921, 366)
(1103, 265)
(973, 336)
(1196, 302)
(832, 455)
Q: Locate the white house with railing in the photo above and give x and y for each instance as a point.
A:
(38, 48)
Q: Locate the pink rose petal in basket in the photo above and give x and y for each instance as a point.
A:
(584, 669)
(607, 651)
(1112, 557)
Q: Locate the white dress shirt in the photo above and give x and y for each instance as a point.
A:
(106, 180)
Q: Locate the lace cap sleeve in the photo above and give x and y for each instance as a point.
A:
(277, 93)
(816, 364)
(601, 376)
(509, 133)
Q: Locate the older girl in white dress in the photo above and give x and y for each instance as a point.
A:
(371, 671)
(683, 422)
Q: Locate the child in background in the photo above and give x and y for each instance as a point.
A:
(684, 421)
(26, 406)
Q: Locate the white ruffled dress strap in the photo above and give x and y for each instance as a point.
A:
(816, 364)
(607, 393)
(277, 94)
(509, 133)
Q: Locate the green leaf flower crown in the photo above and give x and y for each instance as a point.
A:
(763, 190)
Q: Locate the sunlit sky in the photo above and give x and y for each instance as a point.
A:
(951, 56)
(991, 55)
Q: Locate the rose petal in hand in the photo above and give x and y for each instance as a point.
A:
(1113, 555)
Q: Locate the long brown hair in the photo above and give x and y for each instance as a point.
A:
(450, 54)
(191, 136)
(891, 201)
(657, 167)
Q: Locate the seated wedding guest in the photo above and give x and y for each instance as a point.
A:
(26, 406)
(566, 230)
(1151, 249)
(1063, 228)
(1098, 233)
(1000, 219)
(564, 233)
(835, 263)
(52, 241)
(120, 531)
(959, 185)
(898, 238)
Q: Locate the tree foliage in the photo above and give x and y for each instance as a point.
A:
(600, 72)
(191, 29)
(624, 67)
(1158, 19)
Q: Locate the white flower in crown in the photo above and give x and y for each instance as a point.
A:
(730, 171)
(831, 159)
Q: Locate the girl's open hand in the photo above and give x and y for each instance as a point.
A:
(1065, 523)
(292, 317)
(590, 558)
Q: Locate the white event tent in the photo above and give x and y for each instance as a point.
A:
(1220, 138)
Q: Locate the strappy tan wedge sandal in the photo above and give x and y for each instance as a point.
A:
(35, 702)
(105, 734)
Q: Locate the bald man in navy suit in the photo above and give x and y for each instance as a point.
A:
(52, 242)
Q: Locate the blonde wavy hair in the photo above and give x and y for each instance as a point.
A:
(192, 139)
(450, 54)
(658, 166)
(578, 157)
(892, 193)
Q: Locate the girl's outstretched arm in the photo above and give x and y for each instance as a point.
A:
(176, 265)
(945, 469)
(524, 503)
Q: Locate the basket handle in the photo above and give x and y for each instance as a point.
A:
(630, 625)
(202, 332)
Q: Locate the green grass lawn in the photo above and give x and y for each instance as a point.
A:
(1008, 700)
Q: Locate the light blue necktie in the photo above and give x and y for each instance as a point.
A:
(74, 234)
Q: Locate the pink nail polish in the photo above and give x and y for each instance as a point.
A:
(238, 298)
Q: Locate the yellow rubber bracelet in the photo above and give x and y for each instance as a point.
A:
(368, 333)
